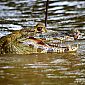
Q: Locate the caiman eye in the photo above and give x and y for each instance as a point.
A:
(39, 28)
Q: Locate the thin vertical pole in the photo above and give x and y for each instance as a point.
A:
(46, 13)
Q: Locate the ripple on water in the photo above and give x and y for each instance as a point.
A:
(70, 11)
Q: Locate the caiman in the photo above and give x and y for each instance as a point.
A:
(26, 41)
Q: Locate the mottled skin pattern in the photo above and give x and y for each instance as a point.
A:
(7, 41)
(11, 43)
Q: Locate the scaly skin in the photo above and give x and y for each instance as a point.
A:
(13, 43)
(10, 43)
(7, 41)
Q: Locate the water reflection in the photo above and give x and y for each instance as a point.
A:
(41, 69)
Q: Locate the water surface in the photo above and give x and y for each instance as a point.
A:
(42, 69)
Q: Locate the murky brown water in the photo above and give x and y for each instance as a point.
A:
(42, 69)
